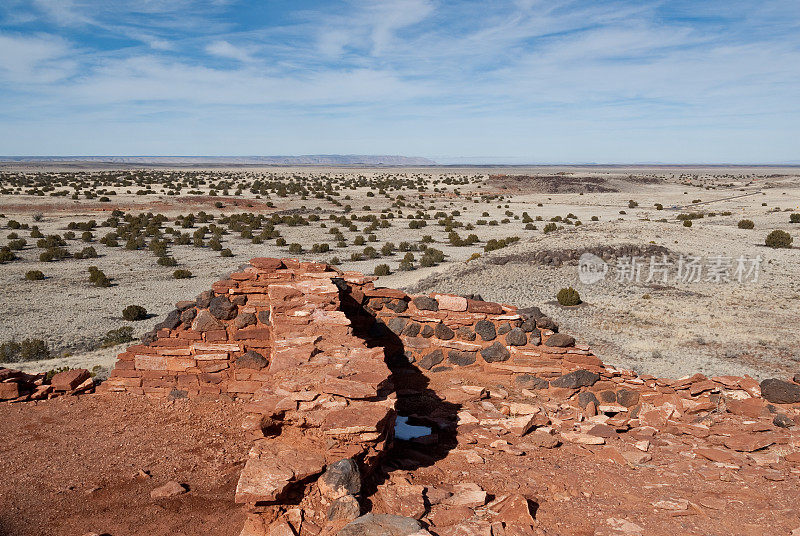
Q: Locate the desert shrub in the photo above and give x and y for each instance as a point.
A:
(356, 256)
(226, 253)
(431, 257)
(87, 236)
(382, 269)
(320, 248)
(87, 253)
(371, 253)
(280, 242)
(6, 255)
(13, 224)
(295, 248)
(568, 296)
(659, 206)
(494, 244)
(117, 336)
(133, 313)
(215, 244)
(778, 239)
(387, 249)
(334, 261)
(595, 218)
(794, 217)
(745, 224)
(167, 261)
(34, 275)
(687, 223)
(27, 350)
(98, 278)
(632, 204)
(549, 228)
(182, 274)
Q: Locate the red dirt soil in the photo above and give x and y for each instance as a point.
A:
(69, 466)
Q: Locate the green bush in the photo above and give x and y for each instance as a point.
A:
(117, 336)
(132, 313)
(87, 253)
(34, 275)
(794, 217)
(687, 223)
(745, 224)
(778, 239)
(568, 296)
(167, 261)
(181, 274)
(382, 269)
(226, 253)
(6, 255)
(549, 228)
(27, 350)
(295, 248)
(98, 278)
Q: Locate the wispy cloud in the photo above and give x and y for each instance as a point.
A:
(526, 76)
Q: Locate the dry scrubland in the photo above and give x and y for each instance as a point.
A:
(405, 218)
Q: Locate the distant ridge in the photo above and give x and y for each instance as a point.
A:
(311, 159)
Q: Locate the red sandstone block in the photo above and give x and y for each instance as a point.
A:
(211, 378)
(216, 335)
(200, 347)
(129, 382)
(384, 293)
(156, 392)
(141, 349)
(125, 365)
(474, 306)
(222, 287)
(135, 390)
(150, 362)
(209, 389)
(175, 351)
(165, 333)
(189, 335)
(125, 356)
(169, 342)
(266, 263)
(179, 363)
(216, 356)
(188, 380)
(157, 384)
(213, 366)
(156, 374)
(252, 333)
(243, 276)
(123, 373)
(9, 390)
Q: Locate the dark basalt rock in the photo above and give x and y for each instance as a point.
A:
(560, 340)
(398, 306)
(585, 397)
(443, 332)
(222, 308)
(780, 392)
(426, 303)
(516, 337)
(576, 379)
(486, 330)
(263, 316)
(495, 352)
(431, 360)
(172, 321)
(529, 381)
(461, 358)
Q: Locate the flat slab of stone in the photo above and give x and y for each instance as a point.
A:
(275, 468)
(381, 525)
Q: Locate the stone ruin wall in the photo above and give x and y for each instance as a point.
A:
(309, 349)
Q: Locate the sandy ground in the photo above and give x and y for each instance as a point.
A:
(670, 329)
(70, 465)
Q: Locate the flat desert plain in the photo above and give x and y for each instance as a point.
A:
(671, 298)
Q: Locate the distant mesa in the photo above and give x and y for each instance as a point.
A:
(313, 159)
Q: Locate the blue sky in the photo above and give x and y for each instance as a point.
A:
(520, 81)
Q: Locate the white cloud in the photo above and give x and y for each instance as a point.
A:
(224, 49)
(38, 59)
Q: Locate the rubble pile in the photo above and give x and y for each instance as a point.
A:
(18, 386)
